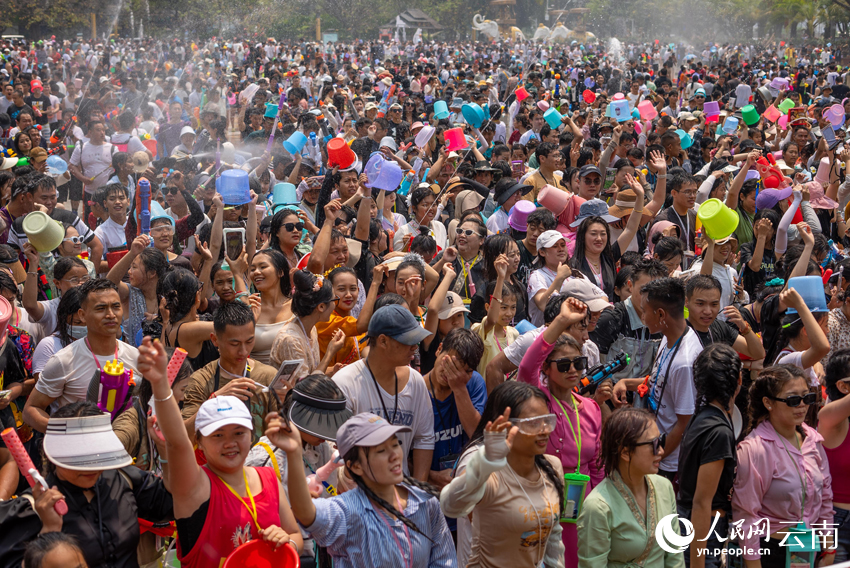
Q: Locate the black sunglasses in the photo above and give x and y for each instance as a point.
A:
(564, 363)
(657, 443)
(289, 227)
(172, 190)
(794, 401)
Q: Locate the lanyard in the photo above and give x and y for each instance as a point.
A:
(541, 545)
(672, 350)
(95, 356)
(686, 224)
(408, 562)
(467, 276)
(576, 436)
(252, 512)
(381, 397)
(799, 475)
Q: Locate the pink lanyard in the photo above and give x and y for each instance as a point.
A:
(408, 563)
(95, 356)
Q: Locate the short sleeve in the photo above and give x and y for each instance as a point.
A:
(52, 380)
(75, 155)
(477, 389)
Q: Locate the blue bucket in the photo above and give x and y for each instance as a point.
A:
(441, 110)
(552, 118)
(295, 143)
(284, 194)
(473, 114)
(811, 290)
(234, 187)
(271, 111)
(525, 326)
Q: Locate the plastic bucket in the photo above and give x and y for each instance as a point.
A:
(742, 95)
(786, 105)
(552, 118)
(685, 139)
(234, 187)
(620, 110)
(284, 193)
(150, 145)
(455, 140)
(340, 154)
(750, 115)
(730, 125)
(522, 327)
(295, 143)
(811, 289)
(717, 219)
(518, 216)
(553, 199)
(647, 110)
(271, 111)
(261, 554)
(543, 105)
(56, 166)
(711, 108)
(772, 114)
(441, 110)
(383, 174)
(588, 96)
(473, 114)
(835, 115)
(44, 233)
(424, 136)
(521, 93)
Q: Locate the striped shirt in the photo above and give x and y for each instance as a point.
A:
(357, 536)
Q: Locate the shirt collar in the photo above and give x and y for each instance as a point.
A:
(634, 319)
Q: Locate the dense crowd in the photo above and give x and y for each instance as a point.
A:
(423, 304)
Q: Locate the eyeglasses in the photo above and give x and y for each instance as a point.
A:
(76, 281)
(467, 232)
(564, 363)
(657, 443)
(289, 227)
(543, 424)
(689, 193)
(164, 230)
(172, 190)
(592, 180)
(794, 401)
(75, 240)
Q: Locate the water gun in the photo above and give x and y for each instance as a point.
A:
(605, 371)
(834, 254)
(384, 106)
(405, 184)
(317, 480)
(22, 458)
(62, 132)
(143, 207)
(61, 149)
(117, 384)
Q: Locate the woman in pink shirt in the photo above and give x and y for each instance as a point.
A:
(554, 362)
(783, 474)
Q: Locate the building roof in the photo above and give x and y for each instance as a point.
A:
(415, 18)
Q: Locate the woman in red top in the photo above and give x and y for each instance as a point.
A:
(223, 504)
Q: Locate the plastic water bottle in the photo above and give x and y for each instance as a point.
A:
(406, 182)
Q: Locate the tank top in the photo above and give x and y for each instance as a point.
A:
(228, 523)
(839, 460)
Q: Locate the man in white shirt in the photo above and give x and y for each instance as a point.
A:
(91, 162)
(67, 376)
(385, 385)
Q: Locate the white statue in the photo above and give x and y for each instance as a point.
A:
(542, 33)
(559, 33)
(517, 35)
(486, 27)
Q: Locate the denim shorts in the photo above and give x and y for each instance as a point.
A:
(842, 523)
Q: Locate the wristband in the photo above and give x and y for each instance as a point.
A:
(659, 176)
(164, 399)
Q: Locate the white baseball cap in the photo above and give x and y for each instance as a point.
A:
(222, 411)
(549, 238)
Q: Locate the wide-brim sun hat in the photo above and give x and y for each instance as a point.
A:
(320, 417)
(84, 444)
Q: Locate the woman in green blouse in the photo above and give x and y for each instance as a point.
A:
(616, 526)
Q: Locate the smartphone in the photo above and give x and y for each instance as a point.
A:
(287, 369)
(517, 168)
(234, 242)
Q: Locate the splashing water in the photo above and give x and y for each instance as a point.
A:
(615, 51)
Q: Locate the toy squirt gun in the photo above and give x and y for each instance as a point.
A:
(116, 388)
(604, 371)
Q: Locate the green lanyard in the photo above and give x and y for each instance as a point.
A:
(576, 437)
(799, 475)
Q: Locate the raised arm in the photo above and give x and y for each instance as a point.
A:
(117, 272)
(636, 218)
(740, 177)
(30, 299)
(322, 246)
(660, 193)
(432, 318)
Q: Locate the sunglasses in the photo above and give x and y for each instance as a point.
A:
(467, 232)
(794, 401)
(564, 363)
(543, 424)
(75, 240)
(172, 190)
(657, 443)
(289, 227)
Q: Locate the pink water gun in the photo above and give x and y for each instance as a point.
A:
(316, 480)
(116, 383)
(22, 458)
(175, 363)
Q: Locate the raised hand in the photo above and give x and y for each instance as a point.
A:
(501, 265)
(283, 435)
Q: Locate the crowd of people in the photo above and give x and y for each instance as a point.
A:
(424, 304)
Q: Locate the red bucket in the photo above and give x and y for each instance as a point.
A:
(521, 94)
(455, 140)
(340, 154)
(261, 554)
(150, 145)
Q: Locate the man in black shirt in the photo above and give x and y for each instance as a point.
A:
(702, 302)
(39, 102)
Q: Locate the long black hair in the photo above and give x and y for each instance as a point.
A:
(791, 328)
(44, 544)
(579, 253)
(281, 265)
(514, 394)
(179, 288)
(69, 304)
(277, 223)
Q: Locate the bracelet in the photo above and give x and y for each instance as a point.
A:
(32, 273)
(164, 399)
(747, 330)
(162, 460)
(659, 176)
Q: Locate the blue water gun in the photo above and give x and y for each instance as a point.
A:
(602, 372)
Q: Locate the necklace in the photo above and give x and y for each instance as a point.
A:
(541, 547)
